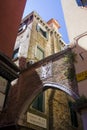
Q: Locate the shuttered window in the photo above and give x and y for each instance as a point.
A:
(43, 33)
(73, 115)
(38, 103)
(39, 53)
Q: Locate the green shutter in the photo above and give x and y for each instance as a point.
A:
(40, 53)
(73, 114)
(38, 103)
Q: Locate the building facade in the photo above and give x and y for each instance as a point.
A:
(79, 48)
(41, 98)
(37, 39)
(75, 17)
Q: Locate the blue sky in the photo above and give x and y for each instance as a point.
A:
(47, 10)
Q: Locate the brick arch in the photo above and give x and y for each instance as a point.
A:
(46, 86)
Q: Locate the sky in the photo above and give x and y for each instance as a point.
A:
(48, 10)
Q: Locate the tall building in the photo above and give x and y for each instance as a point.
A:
(41, 97)
(80, 50)
(75, 12)
(37, 39)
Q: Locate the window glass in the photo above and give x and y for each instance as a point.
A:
(15, 53)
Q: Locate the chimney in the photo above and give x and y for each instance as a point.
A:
(53, 24)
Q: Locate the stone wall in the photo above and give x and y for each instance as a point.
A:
(49, 45)
(30, 83)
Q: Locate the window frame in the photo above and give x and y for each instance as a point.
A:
(42, 31)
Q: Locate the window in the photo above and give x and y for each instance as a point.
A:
(22, 28)
(26, 21)
(31, 18)
(81, 2)
(38, 103)
(15, 53)
(42, 31)
(3, 92)
(39, 53)
(73, 114)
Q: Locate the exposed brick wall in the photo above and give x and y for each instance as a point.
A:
(19, 93)
(29, 83)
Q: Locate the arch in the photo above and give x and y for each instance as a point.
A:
(54, 85)
(46, 85)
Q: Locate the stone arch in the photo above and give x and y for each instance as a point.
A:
(54, 85)
(46, 85)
